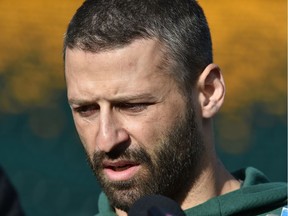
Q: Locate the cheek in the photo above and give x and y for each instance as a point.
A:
(150, 131)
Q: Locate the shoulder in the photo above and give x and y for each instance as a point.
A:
(257, 196)
(261, 194)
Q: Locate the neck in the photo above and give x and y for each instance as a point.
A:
(213, 181)
(120, 212)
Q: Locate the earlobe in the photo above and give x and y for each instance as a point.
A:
(211, 89)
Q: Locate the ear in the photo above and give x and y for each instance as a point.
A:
(211, 88)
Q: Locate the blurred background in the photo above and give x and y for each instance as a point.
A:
(40, 150)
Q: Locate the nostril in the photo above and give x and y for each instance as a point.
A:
(118, 150)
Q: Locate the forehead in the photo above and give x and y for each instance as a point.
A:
(140, 51)
(139, 65)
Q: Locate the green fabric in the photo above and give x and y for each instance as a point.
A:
(257, 196)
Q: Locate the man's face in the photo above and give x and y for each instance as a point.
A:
(139, 132)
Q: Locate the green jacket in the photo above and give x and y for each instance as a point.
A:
(257, 196)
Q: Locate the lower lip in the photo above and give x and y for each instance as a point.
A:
(122, 175)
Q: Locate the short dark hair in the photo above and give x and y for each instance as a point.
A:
(180, 25)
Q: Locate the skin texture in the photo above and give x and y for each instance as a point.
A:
(122, 100)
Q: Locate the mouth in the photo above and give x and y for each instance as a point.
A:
(121, 170)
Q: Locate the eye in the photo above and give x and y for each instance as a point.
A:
(86, 110)
(133, 107)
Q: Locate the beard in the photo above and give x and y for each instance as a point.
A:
(170, 170)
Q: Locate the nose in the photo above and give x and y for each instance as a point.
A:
(111, 132)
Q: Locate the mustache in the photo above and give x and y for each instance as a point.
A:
(138, 155)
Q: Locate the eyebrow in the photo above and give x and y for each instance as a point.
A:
(76, 101)
(119, 99)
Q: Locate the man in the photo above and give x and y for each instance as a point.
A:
(143, 89)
